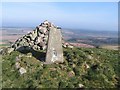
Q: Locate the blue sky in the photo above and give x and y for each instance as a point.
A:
(74, 15)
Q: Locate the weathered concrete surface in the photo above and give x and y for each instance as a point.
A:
(54, 48)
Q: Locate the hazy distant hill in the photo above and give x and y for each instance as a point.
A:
(91, 37)
(92, 33)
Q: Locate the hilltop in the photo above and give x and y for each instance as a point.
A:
(23, 64)
(82, 68)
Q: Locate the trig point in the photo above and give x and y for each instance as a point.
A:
(54, 52)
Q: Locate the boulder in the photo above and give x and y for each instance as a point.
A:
(35, 47)
(10, 50)
(80, 85)
(22, 70)
(89, 57)
(17, 65)
(38, 40)
(43, 30)
(17, 58)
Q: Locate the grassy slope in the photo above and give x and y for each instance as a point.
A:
(103, 71)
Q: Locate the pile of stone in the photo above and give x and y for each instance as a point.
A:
(37, 39)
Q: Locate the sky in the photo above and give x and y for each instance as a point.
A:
(73, 15)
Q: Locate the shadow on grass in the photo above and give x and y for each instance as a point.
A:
(40, 55)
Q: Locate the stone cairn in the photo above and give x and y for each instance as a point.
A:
(37, 39)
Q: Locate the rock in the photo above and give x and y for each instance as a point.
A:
(71, 74)
(40, 27)
(39, 34)
(26, 43)
(10, 50)
(44, 25)
(34, 35)
(47, 32)
(17, 65)
(1, 51)
(22, 42)
(27, 48)
(81, 85)
(86, 66)
(69, 46)
(38, 40)
(29, 55)
(31, 37)
(45, 38)
(89, 57)
(42, 35)
(64, 46)
(43, 30)
(42, 44)
(22, 70)
(46, 22)
(35, 47)
(17, 58)
(20, 55)
(20, 48)
(73, 65)
(92, 52)
(44, 47)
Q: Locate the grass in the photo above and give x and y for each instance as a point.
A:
(103, 71)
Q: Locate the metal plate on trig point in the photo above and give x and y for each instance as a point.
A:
(54, 48)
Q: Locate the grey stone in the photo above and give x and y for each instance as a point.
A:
(42, 35)
(89, 57)
(40, 27)
(39, 34)
(1, 50)
(10, 50)
(17, 65)
(17, 58)
(26, 43)
(70, 46)
(46, 22)
(43, 30)
(45, 38)
(80, 85)
(44, 47)
(29, 55)
(35, 47)
(47, 32)
(33, 35)
(38, 40)
(20, 48)
(22, 70)
(54, 49)
(41, 43)
(31, 43)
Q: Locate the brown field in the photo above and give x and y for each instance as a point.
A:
(82, 45)
(111, 47)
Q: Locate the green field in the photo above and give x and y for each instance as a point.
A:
(92, 68)
(4, 45)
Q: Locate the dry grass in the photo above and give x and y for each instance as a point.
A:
(111, 47)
